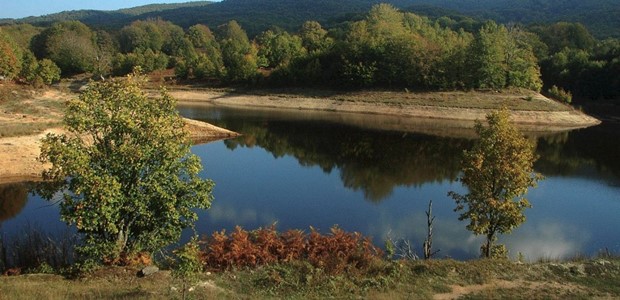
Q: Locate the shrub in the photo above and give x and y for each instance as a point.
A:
(335, 253)
(560, 94)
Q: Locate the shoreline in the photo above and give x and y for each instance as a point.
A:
(387, 110)
(561, 118)
(19, 155)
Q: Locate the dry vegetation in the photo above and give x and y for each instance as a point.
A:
(265, 264)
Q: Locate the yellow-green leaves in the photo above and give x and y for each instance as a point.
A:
(498, 171)
(128, 177)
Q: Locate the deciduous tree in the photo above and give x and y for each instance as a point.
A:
(125, 173)
(498, 172)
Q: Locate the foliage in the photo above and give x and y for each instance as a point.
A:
(334, 253)
(586, 73)
(125, 173)
(70, 45)
(35, 72)
(10, 57)
(188, 265)
(147, 60)
(279, 48)
(238, 54)
(560, 94)
(203, 60)
(498, 171)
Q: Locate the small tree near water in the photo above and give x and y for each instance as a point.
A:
(127, 177)
(498, 172)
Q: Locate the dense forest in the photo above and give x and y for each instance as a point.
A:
(380, 47)
(601, 17)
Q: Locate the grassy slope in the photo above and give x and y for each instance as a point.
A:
(477, 279)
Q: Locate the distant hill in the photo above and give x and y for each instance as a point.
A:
(602, 17)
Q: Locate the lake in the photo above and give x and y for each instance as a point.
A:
(375, 175)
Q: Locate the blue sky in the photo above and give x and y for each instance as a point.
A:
(25, 8)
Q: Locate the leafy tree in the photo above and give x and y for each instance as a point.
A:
(238, 54)
(488, 58)
(10, 57)
(314, 38)
(37, 72)
(128, 180)
(30, 66)
(206, 59)
(48, 71)
(69, 44)
(279, 48)
(147, 60)
(498, 171)
(565, 35)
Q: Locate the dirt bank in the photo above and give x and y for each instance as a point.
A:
(530, 110)
(19, 155)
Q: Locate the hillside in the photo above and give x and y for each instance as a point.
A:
(602, 17)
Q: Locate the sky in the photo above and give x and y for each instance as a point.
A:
(25, 8)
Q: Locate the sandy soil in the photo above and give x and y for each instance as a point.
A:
(561, 119)
(19, 155)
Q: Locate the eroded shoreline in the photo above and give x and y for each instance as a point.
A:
(19, 155)
(557, 118)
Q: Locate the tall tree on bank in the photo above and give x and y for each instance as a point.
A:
(125, 172)
(70, 45)
(238, 54)
(498, 171)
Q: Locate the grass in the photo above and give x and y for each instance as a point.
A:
(24, 111)
(477, 279)
(380, 278)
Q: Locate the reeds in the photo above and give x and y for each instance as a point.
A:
(33, 250)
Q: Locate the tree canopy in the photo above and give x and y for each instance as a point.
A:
(127, 177)
(497, 171)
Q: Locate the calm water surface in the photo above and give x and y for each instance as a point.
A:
(301, 169)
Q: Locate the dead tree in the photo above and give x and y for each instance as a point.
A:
(428, 243)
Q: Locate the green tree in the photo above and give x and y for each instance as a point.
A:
(279, 48)
(69, 44)
(48, 71)
(488, 57)
(314, 38)
(238, 54)
(128, 180)
(498, 171)
(204, 60)
(10, 57)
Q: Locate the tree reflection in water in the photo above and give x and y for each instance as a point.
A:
(13, 198)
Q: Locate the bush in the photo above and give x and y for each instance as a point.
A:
(560, 94)
(334, 253)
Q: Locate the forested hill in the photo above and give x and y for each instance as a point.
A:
(254, 15)
(601, 17)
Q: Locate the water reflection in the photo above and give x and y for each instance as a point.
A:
(301, 172)
(375, 160)
(13, 198)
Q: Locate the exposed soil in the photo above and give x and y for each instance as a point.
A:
(533, 111)
(40, 112)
